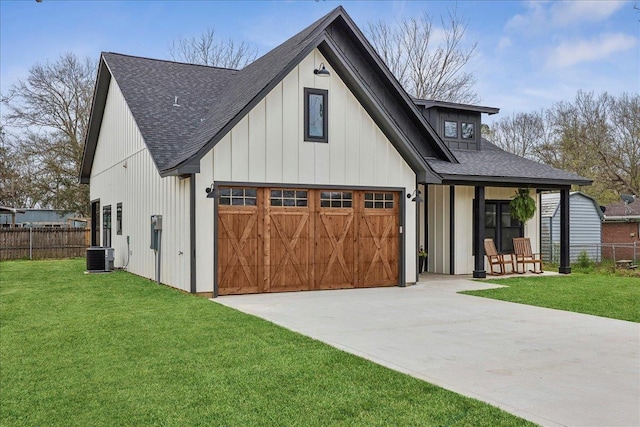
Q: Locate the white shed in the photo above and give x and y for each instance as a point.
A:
(585, 219)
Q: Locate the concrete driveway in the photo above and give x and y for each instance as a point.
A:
(552, 367)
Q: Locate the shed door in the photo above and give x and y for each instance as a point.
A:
(279, 239)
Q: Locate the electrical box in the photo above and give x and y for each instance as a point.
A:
(156, 228)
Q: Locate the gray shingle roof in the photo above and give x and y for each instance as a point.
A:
(493, 164)
(619, 208)
(150, 87)
(212, 100)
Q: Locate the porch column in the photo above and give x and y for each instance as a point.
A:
(478, 234)
(565, 260)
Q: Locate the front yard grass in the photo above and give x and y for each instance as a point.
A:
(605, 295)
(116, 349)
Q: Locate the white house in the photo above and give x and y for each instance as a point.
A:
(298, 172)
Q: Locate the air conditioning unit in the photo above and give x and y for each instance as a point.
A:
(99, 259)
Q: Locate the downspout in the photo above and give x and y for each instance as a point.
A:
(192, 231)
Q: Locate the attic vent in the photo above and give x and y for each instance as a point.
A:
(175, 102)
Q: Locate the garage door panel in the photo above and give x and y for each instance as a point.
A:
(238, 251)
(335, 249)
(289, 250)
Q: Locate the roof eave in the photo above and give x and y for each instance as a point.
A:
(624, 218)
(501, 181)
(445, 151)
(100, 91)
(402, 144)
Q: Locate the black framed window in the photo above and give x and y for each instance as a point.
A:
(95, 223)
(450, 129)
(378, 200)
(106, 226)
(500, 226)
(316, 118)
(468, 130)
(119, 219)
(336, 199)
(238, 196)
(289, 198)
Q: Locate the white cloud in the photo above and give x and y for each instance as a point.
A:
(504, 43)
(565, 13)
(542, 16)
(570, 53)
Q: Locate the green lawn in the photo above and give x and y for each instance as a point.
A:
(605, 295)
(115, 349)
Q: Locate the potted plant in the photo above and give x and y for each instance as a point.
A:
(422, 257)
(523, 206)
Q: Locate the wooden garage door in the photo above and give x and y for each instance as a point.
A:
(279, 239)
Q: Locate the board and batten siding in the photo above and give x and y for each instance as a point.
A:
(124, 172)
(585, 228)
(267, 146)
(439, 217)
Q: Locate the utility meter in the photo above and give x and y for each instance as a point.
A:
(156, 228)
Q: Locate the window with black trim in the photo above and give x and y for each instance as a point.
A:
(336, 199)
(119, 219)
(237, 196)
(378, 200)
(106, 226)
(289, 198)
(450, 129)
(467, 130)
(316, 119)
(500, 226)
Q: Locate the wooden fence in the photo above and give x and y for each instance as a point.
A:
(40, 243)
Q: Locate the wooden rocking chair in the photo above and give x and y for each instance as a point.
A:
(524, 255)
(495, 258)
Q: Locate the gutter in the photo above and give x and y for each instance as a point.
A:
(626, 218)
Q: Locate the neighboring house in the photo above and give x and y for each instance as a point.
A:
(585, 220)
(311, 158)
(39, 218)
(621, 231)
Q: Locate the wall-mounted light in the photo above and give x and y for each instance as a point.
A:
(211, 194)
(418, 196)
(321, 71)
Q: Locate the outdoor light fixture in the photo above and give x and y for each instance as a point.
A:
(322, 71)
(418, 196)
(211, 194)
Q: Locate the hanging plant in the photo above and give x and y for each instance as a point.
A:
(523, 206)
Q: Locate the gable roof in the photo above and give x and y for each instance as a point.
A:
(494, 165)
(550, 202)
(216, 99)
(212, 100)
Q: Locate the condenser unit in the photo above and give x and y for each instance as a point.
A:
(99, 259)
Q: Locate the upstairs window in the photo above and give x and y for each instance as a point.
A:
(316, 119)
(450, 129)
(467, 131)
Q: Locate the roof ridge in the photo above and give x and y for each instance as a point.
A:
(170, 61)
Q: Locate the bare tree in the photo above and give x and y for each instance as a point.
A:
(52, 108)
(206, 49)
(521, 133)
(597, 137)
(428, 63)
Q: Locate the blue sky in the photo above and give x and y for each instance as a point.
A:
(529, 55)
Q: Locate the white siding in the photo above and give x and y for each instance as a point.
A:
(124, 172)
(439, 217)
(268, 146)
